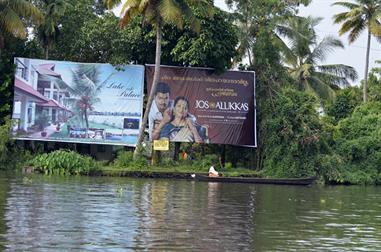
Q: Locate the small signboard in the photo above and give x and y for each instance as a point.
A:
(161, 145)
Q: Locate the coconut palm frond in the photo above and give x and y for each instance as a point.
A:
(332, 80)
(11, 23)
(340, 17)
(314, 21)
(346, 4)
(356, 31)
(321, 89)
(339, 70)
(128, 15)
(288, 57)
(375, 27)
(171, 12)
(353, 24)
(12, 14)
(303, 55)
(326, 46)
(142, 5)
(25, 9)
(112, 3)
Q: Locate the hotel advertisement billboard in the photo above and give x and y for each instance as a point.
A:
(77, 102)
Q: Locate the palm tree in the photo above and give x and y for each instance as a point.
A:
(303, 55)
(84, 90)
(54, 10)
(157, 13)
(361, 15)
(246, 22)
(12, 13)
(252, 16)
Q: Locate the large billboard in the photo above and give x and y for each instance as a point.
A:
(77, 102)
(199, 105)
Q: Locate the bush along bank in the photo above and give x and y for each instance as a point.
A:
(65, 162)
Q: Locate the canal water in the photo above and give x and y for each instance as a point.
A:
(40, 213)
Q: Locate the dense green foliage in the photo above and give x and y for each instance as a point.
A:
(295, 139)
(76, 15)
(11, 156)
(64, 162)
(357, 148)
(346, 101)
(374, 84)
(124, 159)
(214, 46)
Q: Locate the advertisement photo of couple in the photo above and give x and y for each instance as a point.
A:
(170, 118)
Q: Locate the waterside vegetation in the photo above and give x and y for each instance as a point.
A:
(341, 144)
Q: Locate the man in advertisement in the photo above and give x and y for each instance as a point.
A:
(161, 108)
(169, 120)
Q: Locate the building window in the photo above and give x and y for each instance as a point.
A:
(29, 114)
(22, 69)
(54, 115)
(55, 95)
(32, 77)
(26, 70)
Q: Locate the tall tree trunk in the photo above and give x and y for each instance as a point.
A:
(47, 52)
(87, 123)
(156, 77)
(2, 43)
(86, 117)
(365, 94)
(176, 151)
(249, 49)
(222, 156)
(249, 55)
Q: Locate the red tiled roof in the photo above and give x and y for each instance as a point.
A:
(19, 84)
(47, 69)
(53, 104)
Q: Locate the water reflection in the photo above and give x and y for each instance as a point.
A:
(318, 219)
(189, 215)
(109, 214)
(4, 188)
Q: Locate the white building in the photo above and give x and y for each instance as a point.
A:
(38, 89)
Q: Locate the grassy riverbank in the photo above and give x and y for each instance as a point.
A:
(64, 162)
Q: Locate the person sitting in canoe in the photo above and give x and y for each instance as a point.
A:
(213, 172)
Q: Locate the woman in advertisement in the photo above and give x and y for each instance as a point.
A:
(180, 128)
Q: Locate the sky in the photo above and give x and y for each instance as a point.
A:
(352, 55)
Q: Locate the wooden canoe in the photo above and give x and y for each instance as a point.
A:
(274, 181)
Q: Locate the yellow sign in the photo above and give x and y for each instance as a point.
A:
(161, 145)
